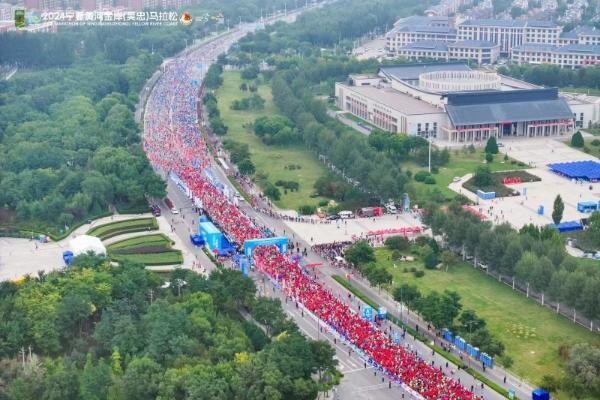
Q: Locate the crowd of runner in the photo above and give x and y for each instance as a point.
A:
(174, 144)
(400, 364)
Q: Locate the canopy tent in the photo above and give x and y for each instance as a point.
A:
(85, 243)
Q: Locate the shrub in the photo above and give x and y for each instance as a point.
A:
(271, 191)
(397, 243)
(323, 203)
(430, 180)
(513, 162)
(586, 149)
(307, 209)
(521, 164)
(396, 255)
(506, 157)
(489, 157)
(596, 142)
(419, 274)
(431, 260)
(577, 140)
(421, 176)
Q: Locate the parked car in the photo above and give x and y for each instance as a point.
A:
(155, 210)
(174, 211)
(169, 203)
(333, 217)
(346, 214)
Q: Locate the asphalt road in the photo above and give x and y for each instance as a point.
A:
(359, 382)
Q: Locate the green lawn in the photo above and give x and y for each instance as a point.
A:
(167, 258)
(109, 230)
(589, 147)
(531, 333)
(141, 240)
(461, 163)
(270, 160)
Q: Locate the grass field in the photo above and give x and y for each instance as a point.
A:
(589, 147)
(531, 333)
(461, 163)
(270, 160)
(112, 229)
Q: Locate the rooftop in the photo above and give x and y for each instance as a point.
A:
(412, 71)
(427, 45)
(422, 20)
(396, 100)
(579, 49)
(535, 47)
(427, 29)
(476, 108)
(494, 22)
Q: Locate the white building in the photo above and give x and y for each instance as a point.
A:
(416, 29)
(481, 52)
(569, 56)
(509, 33)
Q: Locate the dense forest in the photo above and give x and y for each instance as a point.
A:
(69, 144)
(99, 332)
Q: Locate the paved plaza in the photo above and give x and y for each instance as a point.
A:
(342, 230)
(521, 210)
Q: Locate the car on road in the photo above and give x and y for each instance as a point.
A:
(155, 210)
(174, 211)
(333, 217)
(346, 214)
(169, 203)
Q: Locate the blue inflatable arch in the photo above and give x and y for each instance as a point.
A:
(281, 243)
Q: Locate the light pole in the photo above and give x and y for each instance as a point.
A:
(429, 140)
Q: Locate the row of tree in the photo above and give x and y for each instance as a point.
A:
(552, 75)
(100, 332)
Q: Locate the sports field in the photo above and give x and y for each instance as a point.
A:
(531, 333)
(269, 160)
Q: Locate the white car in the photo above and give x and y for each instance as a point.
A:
(174, 211)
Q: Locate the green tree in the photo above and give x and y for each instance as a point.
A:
(406, 293)
(491, 146)
(246, 167)
(95, 380)
(557, 211)
(577, 140)
(360, 253)
(142, 379)
(483, 177)
(489, 157)
(583, 371)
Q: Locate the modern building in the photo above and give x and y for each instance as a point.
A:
(509, 33)
(452, 102)
(416, 29)
(481, 52)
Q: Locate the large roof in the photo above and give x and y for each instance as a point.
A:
(491, 107)
(426, 45)
(412, 71)
(494, 22)
(396, 100)
(428, 29)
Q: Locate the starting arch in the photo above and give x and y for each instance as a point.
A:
(281, 243)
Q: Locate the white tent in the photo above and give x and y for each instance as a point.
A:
(84, 243)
